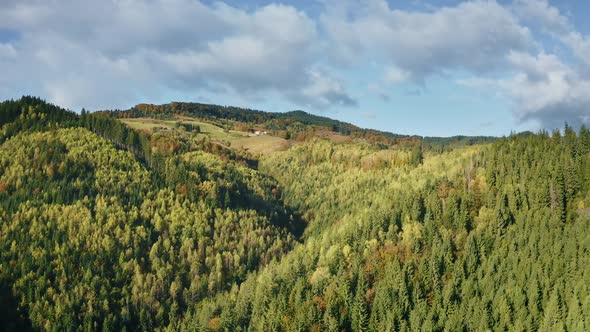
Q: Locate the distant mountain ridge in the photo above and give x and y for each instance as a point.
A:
(293, 122)
(271, 120)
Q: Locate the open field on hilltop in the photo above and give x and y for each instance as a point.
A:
(209, 129)
(214, 131)
(147, 124)
(261, 144)
(255, 144)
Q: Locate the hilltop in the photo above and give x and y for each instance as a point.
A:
(228, 124)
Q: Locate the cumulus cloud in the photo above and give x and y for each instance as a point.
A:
(483, 38)
(323, 91)
(559, 95)
(271, 48)
(539, 13)
(473, 35)
(391, 78)
(547, 88)
(549, 19)
(543, 89)
(111, 53)
(114, 53)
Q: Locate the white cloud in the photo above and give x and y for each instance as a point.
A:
(549, 19)
(561, 95)
(113, 53)
(543, 89)
(7, 51)
(560, 91)
(395, 75)
(580, 46)
(474, 36)
(323, 91)
(536, 68)
(271, 48)
(540, 13)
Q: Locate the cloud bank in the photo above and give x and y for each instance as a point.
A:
(109, 53)
(473, 36)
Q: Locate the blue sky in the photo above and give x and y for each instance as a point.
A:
(432, 68)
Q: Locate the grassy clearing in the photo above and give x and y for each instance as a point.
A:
(263, 144)
(209, 129)
(334, 137)
(254, 144)
(216, 132)
(147, 124)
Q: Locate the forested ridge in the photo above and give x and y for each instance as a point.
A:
(103, 227)
(298, 125)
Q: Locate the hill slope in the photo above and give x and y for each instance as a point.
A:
(91, 238)
(104, 227)
(484, 238)
(297, 125)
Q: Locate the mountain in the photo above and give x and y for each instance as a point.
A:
(183, 217)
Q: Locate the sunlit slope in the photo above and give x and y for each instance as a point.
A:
(110, 228)
(331, 181)
(62, 166)
(483, 238)
(246, 142)
(91, 238)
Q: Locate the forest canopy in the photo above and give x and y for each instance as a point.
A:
(108, 227)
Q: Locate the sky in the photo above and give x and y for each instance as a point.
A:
(431, 68)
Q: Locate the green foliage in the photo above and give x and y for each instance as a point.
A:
(479, 238)
(91, 241)
(106, 228)
(297, 125)
(274, 121)
(33, 114)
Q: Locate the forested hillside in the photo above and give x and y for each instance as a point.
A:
(93, 239)
(293, 121)
(491, 237)
(295, 125)
(107, 227)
